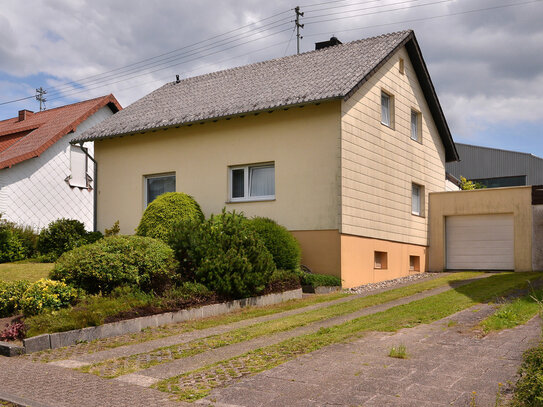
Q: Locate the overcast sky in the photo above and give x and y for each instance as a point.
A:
(486, 65)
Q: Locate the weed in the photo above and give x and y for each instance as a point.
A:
(399, 352)
(451, 323)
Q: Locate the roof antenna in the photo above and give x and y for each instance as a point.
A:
(39, 96)
(177, 79)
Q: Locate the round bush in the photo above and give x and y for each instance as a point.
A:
(165, 211)
(10, 296)
(47, 294)
(284, 247)
(61, 236)
(116, 261)
(223, 253)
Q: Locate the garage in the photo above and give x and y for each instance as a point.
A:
(480, 242)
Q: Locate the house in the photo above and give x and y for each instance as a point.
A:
(494, 167)
(43, 177)
(341, 145)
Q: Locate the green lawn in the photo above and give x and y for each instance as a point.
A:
(24, 271)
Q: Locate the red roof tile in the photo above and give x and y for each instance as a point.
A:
(22, 140)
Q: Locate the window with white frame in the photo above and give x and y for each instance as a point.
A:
(387, 107)
(417, 194)
(252, 182)
(156, 185)
(78, 167)
(416, 119)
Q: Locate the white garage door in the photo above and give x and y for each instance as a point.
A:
(480, 242)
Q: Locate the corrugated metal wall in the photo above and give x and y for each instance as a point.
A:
(482, 162)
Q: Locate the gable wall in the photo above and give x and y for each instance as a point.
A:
(380, 163)
(34, 192)
(303, 143)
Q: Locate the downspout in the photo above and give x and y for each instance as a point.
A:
(95, 189)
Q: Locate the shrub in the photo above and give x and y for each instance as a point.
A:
(319, 280)
(10, 296)
(16, 242)
(47, 294)
(115, 261)
(223, 253)
(166, 211)
(282, 245)
(63, 235)
(114, 230)
(16, 330)
(529, 388)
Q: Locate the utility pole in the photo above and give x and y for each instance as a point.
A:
(39, 96)
(298, 26)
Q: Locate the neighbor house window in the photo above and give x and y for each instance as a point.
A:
(252, 182)
(387, 105)
(417, 192)
(156, 185)
(78, 167)
(414, 263)
(380, 260)
(416, 119)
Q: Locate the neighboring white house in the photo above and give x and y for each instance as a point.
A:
(42, 176)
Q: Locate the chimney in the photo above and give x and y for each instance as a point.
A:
(25, 114)
(325, 44)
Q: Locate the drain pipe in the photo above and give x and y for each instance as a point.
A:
(95, 189)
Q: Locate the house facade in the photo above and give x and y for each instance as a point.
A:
(340, 145)
(43, 177)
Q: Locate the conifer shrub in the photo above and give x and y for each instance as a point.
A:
(116, 261)
(166, 211)
(282, 245)
(223, 253)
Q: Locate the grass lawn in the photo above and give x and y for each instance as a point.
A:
(24, 271)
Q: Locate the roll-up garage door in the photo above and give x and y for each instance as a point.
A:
(480, 242)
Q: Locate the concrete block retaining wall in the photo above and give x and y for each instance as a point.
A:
(61, 339)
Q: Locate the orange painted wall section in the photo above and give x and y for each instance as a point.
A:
(358, 260)
(321, 250)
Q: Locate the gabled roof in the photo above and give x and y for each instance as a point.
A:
(330, 73)
(22, 140)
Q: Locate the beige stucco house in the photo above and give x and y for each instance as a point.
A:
(341, 145)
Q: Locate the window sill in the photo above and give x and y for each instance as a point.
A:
(418, 215)
(416, 141)
(250, 200)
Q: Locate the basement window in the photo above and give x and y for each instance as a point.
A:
(252, 182)
(156, 185)
(380, 260)
(414, 263)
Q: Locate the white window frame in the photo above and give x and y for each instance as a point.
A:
(390, 107)
(247, 181)
(418, 117)
(420, 198)
(145, 191)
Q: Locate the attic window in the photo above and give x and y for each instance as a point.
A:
(401, 66)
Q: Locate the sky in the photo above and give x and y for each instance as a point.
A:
(484, 56)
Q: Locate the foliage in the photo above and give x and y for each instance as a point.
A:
(63, 235)
(115, 261)
(224, 253)
(16, 242)
(399, 352)
(114, 230)
(282, 245)
(47, 294)
(10, 296)
(470, 185)
(166, 211)
(319, 280)
(529, 388)
(14, 331)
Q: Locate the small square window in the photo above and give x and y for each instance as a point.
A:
(416, 131)
(156, 185)
(381, 260)
(414, 263)
(252, 182)
(417, 194)
(387, 109)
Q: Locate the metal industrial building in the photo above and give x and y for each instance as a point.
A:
(494, 168)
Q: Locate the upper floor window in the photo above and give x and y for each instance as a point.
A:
(417, 194)
(78, 167)
(416, 131)
(156, 185)
(387, 108)
(252, 182)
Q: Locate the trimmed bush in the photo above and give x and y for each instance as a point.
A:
(47, 294)
(282, 245)
(63, 235)
(10, 296)
(116, 261)
(165, 211)
(319, 280)
(223, 253)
